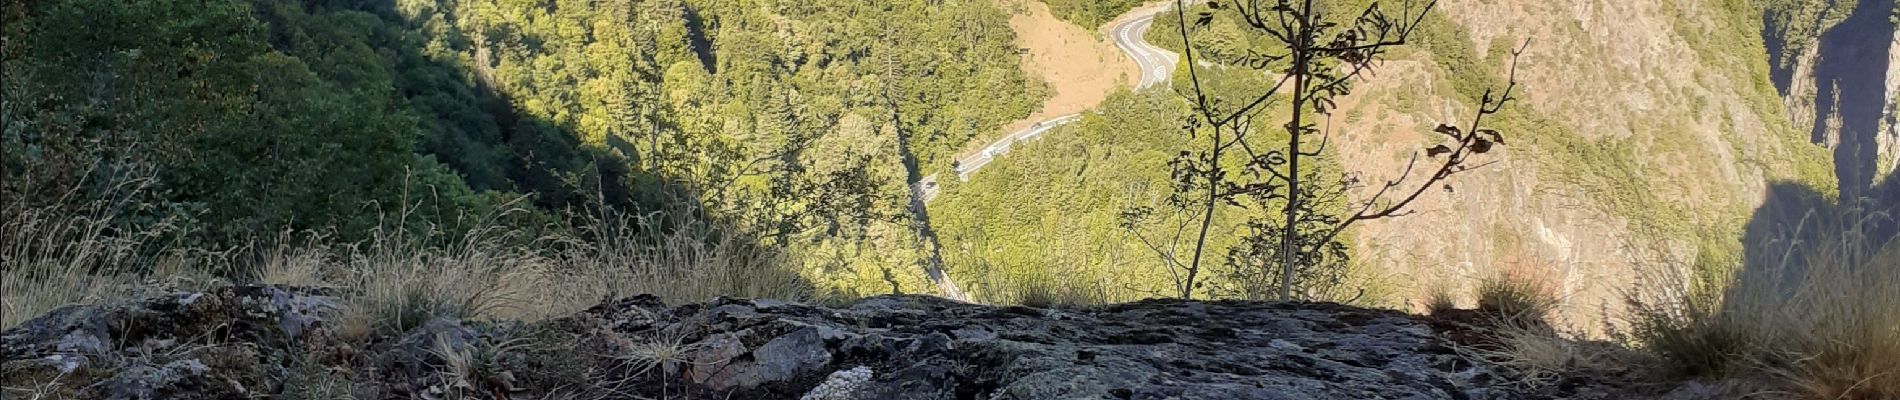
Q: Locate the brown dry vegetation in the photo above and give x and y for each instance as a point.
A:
(1816, 320)
(56, 256)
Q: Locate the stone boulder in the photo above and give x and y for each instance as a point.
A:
(218, 344)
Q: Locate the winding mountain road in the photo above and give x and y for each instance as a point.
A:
(1155, 63)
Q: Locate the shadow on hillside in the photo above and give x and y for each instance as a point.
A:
(1849, 78)
(1794, 218)
(478, 126)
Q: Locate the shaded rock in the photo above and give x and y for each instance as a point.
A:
(717, 363)
(144, 381)
(787, 356)
(222, 343)
(413, 359)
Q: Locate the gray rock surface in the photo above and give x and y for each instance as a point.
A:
(929, 348)
(275, 342)
(211, 345)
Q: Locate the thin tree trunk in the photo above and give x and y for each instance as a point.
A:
(1207, 218)
(1289, 238)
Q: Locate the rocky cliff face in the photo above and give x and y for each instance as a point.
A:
(1647, 135)
(1842, 86)
(245, 342)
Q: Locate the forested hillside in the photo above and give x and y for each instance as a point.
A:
(1053, 219)
(799, 123)
(1090, 13)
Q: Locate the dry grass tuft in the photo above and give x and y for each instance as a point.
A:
(1838, 334)
(306, 378)
(56, 254)
(1045, 293)
(1440, 298)
(1518, 296)
(657, 352)
(480, 367)
(298, 263)
(1045, 290)
(396, 286)
(667, 254)
(1820, 316)
(1515, 302)
(1539, 355)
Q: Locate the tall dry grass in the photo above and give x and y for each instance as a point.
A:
(403, 278)
(398, 281)
(70, 251)
(1516, 304)
(1818, 317)
(66, 251)
(1519, 295)
(674, 254)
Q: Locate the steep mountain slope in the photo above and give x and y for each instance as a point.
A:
(798, 125)
(1646, 135)
(1838, 80)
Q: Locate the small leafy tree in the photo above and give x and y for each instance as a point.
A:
(1314, 61)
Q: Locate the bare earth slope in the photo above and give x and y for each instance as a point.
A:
(1080, 66)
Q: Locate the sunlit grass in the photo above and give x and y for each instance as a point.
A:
(52, 256)
(400, 278)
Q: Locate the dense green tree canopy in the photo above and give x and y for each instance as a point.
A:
(1090, 13)
(260, 115)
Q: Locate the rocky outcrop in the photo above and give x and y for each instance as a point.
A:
(207, 345)
(929, 348)
(272, 341)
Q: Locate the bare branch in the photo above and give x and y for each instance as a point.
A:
(1487, 107)
(1207, 178)
(1257, 102)
(1187, 51)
